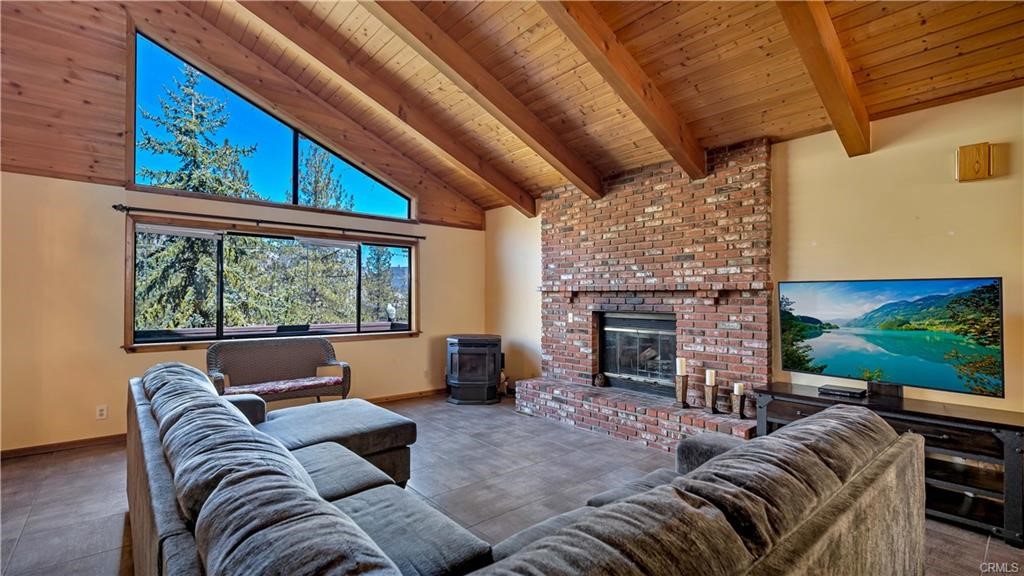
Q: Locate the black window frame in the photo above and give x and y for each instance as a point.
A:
(133, 341)
(295, 168)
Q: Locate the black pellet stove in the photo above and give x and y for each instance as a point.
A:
(473, 368)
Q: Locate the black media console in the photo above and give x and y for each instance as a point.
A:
(974, 457)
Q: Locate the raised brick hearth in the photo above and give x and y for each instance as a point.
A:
(659, 242)
(624, 414)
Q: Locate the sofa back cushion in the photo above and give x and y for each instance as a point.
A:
(205, 438)
(768, 486)
(661, 531)
(255, 361)
(260, 521)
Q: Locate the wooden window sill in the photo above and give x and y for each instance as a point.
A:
(203, 344)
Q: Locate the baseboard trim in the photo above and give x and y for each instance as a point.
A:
(61, 446)
(407, 395)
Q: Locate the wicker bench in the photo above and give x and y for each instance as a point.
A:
(278, 368)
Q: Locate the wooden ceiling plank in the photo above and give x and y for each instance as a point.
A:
(1005, 80)
(280, 18)
(592, 36)
(433, 44)
(811, 27)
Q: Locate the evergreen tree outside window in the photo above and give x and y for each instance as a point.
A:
(202, 285)
(196, 135)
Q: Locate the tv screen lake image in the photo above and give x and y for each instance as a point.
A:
(942, 334)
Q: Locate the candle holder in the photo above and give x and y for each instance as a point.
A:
(682, 389)
(709, 398)
(695, 395)
(723, 403)
(750, 409)
(739, 403)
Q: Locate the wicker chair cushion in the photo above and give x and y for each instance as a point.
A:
(283, 386)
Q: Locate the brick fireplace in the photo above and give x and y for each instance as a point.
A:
(659, 243)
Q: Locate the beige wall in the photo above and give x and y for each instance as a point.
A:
(513, 288)
(62, 307)
(898, 213)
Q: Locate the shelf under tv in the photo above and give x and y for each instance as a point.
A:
(974, 457)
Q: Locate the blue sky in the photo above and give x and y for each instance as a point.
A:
(848, 300)
(270, 166)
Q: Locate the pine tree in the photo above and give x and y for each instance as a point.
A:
(176, 283)
(191, 120)
(318, 185)
(376, 284)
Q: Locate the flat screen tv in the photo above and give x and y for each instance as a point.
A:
(944, 334)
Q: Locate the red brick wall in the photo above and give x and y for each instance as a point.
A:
(659, 242)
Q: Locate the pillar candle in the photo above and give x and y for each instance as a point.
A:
(709, 378)
(737, 388)
(680, 366)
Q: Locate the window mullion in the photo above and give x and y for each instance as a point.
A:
(295, 167)
(220, 288)
(359, 288)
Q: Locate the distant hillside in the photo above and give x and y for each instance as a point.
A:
(929, 312)
(808, 326)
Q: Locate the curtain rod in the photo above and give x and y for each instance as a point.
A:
(258, 221)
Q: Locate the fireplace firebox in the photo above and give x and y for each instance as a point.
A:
(474, 368)
(638, 351)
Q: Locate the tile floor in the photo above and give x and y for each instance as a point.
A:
(489, 468)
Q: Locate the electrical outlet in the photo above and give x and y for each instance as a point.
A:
(101, 411)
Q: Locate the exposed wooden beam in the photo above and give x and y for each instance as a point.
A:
(592, 36)
(215, 52)
(285, 19)
(815, 37)
(432, 43)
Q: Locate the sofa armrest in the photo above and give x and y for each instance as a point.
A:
(252, 406)
(220, 381)
(337, 368)
(693, 451)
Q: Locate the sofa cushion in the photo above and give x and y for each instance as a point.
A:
(262, 522)
(693, 451)
(766, 487)
(661, 531)
(652, 480)
(355, 424)
(418, 538)
(280, 386)
(338, 472)
(524, 538)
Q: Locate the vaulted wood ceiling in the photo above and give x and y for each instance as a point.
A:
(470, 106)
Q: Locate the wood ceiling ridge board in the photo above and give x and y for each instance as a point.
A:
(868, 12)
(486, 17)
(619, 14)
(508, 33)
(908, 33)
(725, 47)
(907, 14)
(739, 81)
(763, 55)
(946, 51)
(1011, 62)
(978, 57)
(381, 99)
(709, 39)
(75, 20)
(728, 14)
(268, 86)
(966, 91)
(640, 24)
(938, 38)
(432, 43)
(582, 23)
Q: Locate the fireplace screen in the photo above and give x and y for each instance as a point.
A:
(638, 351)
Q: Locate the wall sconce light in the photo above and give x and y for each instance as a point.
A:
(974, 162)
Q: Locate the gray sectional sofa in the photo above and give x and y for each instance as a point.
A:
(222, 488)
